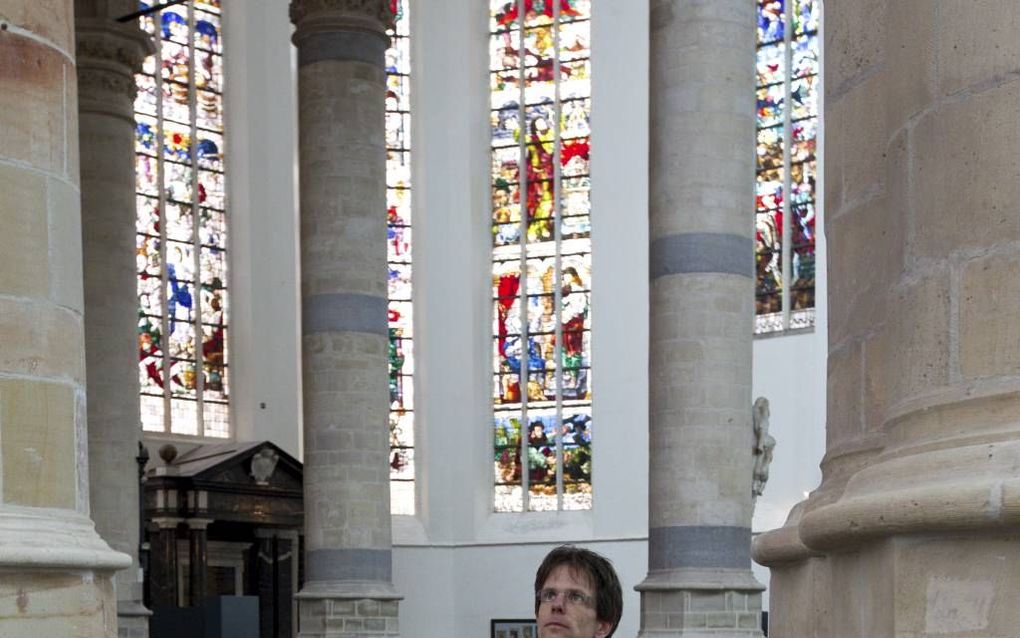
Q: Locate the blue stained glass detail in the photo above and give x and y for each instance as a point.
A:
(208, 29)
(180, 295)
(170, 18)
(578, 429)
(146, 136)
(770, 20)
(207, 149)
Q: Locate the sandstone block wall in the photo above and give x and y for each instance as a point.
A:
(919, 510)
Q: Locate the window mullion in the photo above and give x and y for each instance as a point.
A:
(522, 380)
(196, 220)
(557, 238)
(787, 230)
(165, 362)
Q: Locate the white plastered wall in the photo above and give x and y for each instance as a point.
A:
(457, 563)
(261, 156)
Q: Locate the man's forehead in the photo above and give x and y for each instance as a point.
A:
(577, 574)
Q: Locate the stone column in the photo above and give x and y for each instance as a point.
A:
(109, 53)
(341, 86)
(701, 312)
(915, 530)
(57, 572)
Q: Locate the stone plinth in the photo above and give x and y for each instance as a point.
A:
(914, 530)
(348, 617)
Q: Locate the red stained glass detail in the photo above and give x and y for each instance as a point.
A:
(510, 11)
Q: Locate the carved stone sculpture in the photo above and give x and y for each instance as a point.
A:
(763, 446)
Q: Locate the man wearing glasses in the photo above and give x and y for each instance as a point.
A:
(577, 595)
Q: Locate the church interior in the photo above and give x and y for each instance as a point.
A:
(331, 318)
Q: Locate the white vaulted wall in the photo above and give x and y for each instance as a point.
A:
(457, 563)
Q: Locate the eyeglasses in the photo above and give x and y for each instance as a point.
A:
(571, 596)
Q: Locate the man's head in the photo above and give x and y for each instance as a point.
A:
(577, 595)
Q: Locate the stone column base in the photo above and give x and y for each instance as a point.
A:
(132, 626)
(42, 603)
(132, 619)
(348, 610)
(904, 587)
(347, 618)
(800, 599)
(56, 575)
(700, 603)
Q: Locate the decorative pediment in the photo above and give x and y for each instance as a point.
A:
(254, 483)
(238, 465)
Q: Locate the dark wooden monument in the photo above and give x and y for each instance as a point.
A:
(224, 519)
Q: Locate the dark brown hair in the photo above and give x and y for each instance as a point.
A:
(600, 574)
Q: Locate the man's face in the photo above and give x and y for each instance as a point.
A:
(563, 619)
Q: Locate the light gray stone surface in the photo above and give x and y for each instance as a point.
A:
(108, 54)
(701, 311)
(341, 87)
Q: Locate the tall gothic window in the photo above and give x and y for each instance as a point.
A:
(787, 124)
(398, 215)
(540, 88)
(181, 224)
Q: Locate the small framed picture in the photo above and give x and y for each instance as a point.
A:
(513, 628)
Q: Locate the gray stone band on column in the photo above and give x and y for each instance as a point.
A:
(348, 564)
(350, 46)
(699, 546)
(701, 253)
(344, 312)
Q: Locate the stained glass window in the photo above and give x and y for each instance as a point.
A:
(540, 87)
(787, 129)
(181, 224)
(398, 215)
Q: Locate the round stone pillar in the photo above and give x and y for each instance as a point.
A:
(342, 159)
(916, 527)
(701, 314)
(57, 572)
(109, 53)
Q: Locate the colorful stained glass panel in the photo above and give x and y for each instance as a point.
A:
(181, 238)
(541, 338)
(787, 65)
(400, 293)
